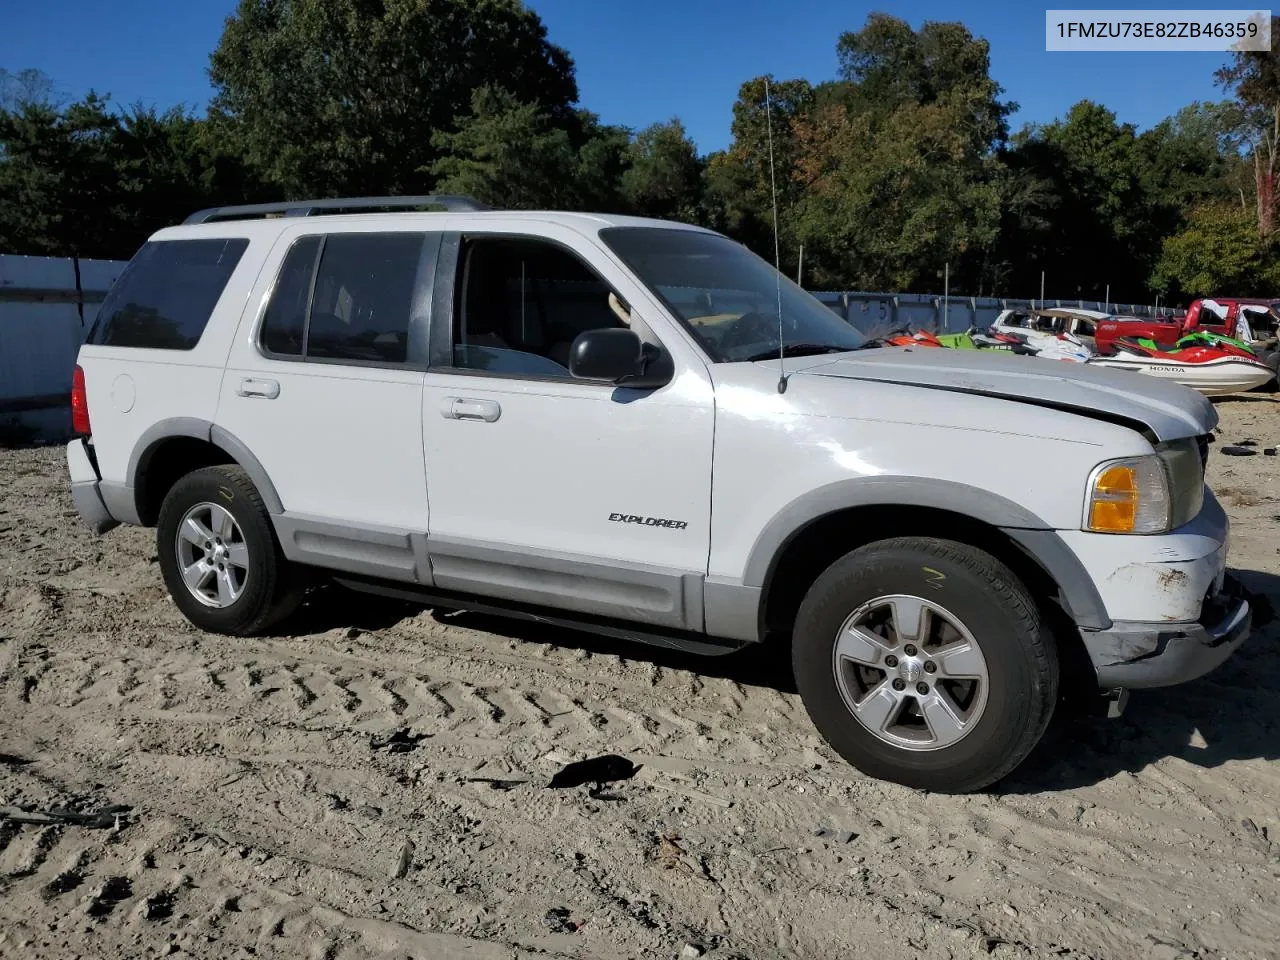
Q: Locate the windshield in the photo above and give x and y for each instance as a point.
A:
(727, 296)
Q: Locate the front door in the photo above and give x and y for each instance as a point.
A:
(549, 490)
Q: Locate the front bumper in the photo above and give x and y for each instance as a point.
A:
(1174, 611)
(1140, 655)
(85, 490)
(1163, 578)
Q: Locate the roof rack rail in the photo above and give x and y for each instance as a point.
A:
(305, 208)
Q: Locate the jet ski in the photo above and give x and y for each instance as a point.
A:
(904, 338)
(1212, 371)
(1043, 344)
(1205, 338)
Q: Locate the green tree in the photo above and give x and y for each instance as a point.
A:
(514, 154)
(172, 163)
(738, 182)
(341, 97)
(664, 175)
(1219, 253)
(1254, 76)
(1188, 159)
(896, 162)
(91, 182)
(1105, 230)
(603, 155)
(889, 201)
(887, 64)
(59, 190)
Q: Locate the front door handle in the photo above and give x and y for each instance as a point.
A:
(460, 408)
(267, 389)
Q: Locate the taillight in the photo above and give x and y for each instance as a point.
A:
(79, 403)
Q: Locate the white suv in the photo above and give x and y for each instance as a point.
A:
(589, 419)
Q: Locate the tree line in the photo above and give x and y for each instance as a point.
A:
(901, 167)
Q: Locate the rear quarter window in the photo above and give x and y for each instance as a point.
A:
(165, 297)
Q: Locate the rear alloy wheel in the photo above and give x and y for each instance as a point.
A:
(924, 662)
(213, 555)
(219, 555)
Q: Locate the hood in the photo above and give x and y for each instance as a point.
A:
(1167, 410)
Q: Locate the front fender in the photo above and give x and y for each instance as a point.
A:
(1031, 534)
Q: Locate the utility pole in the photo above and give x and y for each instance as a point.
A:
(1041, 303)
(800, 269)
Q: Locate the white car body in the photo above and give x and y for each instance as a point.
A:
(669, 510)
(1052, 337)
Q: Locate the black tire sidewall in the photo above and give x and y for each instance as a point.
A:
(236, 495)
(989, 601)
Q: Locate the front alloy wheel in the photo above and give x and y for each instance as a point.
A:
(910, 672)
(924, 662)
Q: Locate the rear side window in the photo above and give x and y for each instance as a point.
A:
(165, 297)
(286, 317)
(345, 297)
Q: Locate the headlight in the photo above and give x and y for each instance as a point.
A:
(1150, 494)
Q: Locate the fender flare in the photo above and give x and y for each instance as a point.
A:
(200, 429)
(1024, 528)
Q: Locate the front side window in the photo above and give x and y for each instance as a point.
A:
(727, 296)
(345, 296)
(522, 302)
(165, 297)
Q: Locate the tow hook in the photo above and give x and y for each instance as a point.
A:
(1116, 700)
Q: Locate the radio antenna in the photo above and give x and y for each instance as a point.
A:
(777, 252)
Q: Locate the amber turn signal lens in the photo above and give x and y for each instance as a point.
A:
(1129, 496)
(1120, 481)
(1112, 516)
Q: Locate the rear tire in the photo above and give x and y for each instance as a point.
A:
(220, 557)
(957, 699)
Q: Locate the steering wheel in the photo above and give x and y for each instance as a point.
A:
(749, 329)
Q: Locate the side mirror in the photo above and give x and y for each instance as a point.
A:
(620, 357)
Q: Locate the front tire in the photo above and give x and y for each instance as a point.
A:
(924, 662)
(219, 555)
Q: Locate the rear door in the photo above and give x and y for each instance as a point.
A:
(323, 386)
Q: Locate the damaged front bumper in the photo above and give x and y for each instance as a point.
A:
(1139, 655)
(1175, 612)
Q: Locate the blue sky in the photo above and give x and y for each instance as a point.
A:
(636, 62)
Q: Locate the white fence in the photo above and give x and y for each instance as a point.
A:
(47, 306)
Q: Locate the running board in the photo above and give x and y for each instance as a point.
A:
(683, 641)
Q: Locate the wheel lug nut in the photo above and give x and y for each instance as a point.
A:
(930, 667)
(922, 688)
(909, 650)
(899, 684)
(890, 661)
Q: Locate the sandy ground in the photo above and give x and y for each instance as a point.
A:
(267, 819)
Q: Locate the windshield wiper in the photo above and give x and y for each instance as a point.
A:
(797, 350)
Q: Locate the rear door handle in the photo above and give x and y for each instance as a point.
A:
(461, 408)
(267, 389)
